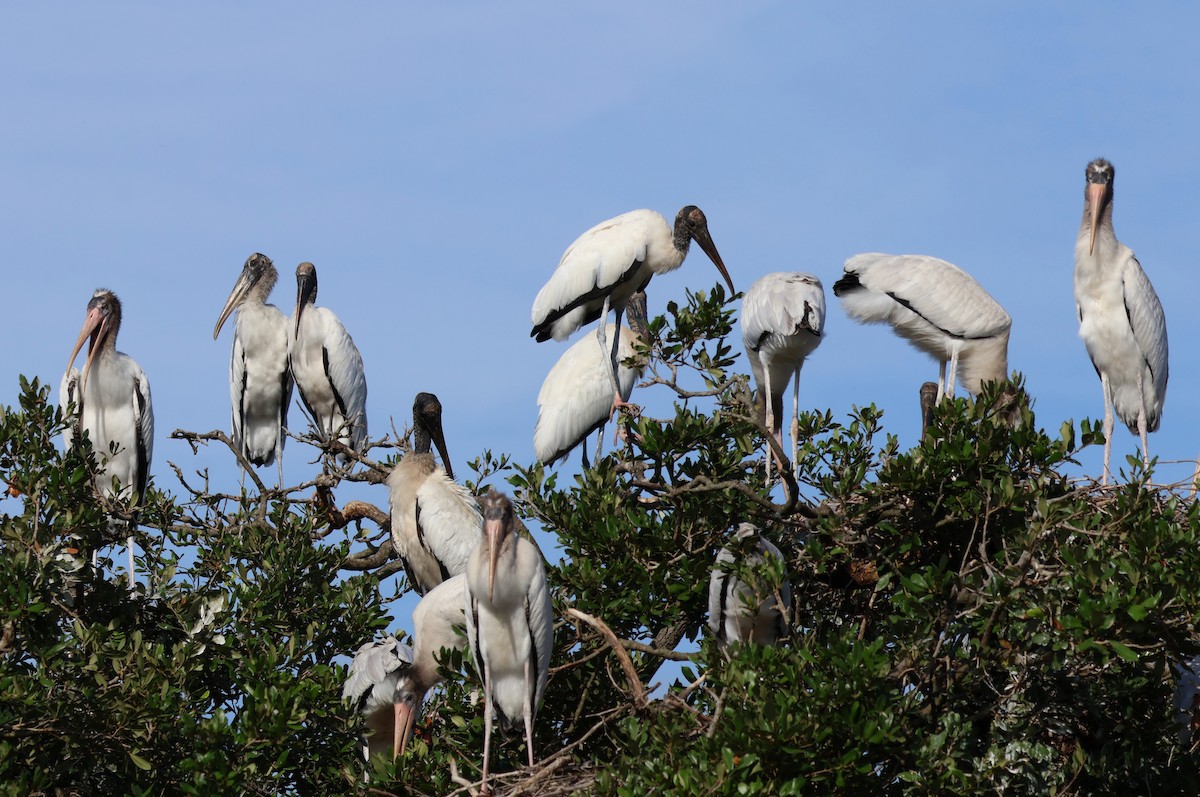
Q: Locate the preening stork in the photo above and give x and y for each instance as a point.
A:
(111, 400)
(260, 382)
(1121, 320)
(783, 319)
(510, 622)
(373, 684)
(327, 367)
(435, 520)
(608, 264)
(935, 306)
(747, 612)
(576, 398)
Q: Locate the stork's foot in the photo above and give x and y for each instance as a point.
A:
(622, 433)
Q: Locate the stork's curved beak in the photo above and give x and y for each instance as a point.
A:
(702, 237)
(494, 529)
(305, 285)
(95, 327)
(1095, 195)
(434, 425)
(245, 281)
(405, 722)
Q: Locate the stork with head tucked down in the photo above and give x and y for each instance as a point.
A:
(373, 684)
(111, 401)
(608, 264)
(741, 611)
(260, 382)
(327, 367)
(510, 622)
(435, 520)
(935, 306)
(783, 319)
(1121, 319)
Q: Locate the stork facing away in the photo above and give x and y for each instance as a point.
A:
(576, 397)
(111, 403)
(373, 684)
(1121, 319)
(937, 307)
(327, 367)
(435, 520)
(510, 622)
(608, 264)
(741, 611)
(783, 320)
(260, 382)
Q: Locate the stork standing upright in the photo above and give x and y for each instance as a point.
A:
(327, 367)
(260, 382)
(935, 306)
(576, 398)
(374, 685)
(111, 401)
(1121, 320)
(783, 319)
(510, 622)
(608, 264)
(435, 520)
(741, 611)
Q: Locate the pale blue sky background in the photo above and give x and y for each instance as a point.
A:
(434, 160)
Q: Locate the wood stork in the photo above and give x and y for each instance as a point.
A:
(510, 623)
(783, 319)
(435, 521)
(935, 306)
(327, 367)
(608, 264)
(576, 398)
(373, 685)
(747, 612)
(111, 400)
(1121, 320)
(260, 382)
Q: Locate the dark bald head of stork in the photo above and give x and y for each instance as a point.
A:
(497, 526)
(692, 225)
(306, 289)
(100, 327)
(1100, 174)
(427, 428)
(254, 283)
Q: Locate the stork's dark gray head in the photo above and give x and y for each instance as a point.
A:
(692, 225)
(497, 513)
(254, 283)
(1100, 171)
(100, 327)
(306, 291)
(427, 428)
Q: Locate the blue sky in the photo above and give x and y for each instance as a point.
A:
(434, 160)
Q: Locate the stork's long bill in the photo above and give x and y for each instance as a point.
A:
(495, 529)
(306, 287)
(406, 720)
(96, 327)
(1095, 195)
(702, 237)
(240, 288)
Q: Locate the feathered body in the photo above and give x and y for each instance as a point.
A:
(373, 685)
(747, 612)
(934, 305)
(327, 366)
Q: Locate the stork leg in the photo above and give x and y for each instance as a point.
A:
(952, 377)
(129, 551)
(487, 724)
(769, 408)
(1142, 423)
(528, 709)
(941, 382)
(795, 426)
(1108, 424)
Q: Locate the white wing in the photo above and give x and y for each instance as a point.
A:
(438, 617)
(328, 370)
(372, 665)
(1149, 326)
(68, 392)
(785, 304)
(448, 520)
(539, 615)
(143, 408)
(576, 397)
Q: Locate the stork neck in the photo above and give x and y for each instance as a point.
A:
(421, 440)
(681, 238)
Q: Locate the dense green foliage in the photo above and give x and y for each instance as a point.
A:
(967, 619)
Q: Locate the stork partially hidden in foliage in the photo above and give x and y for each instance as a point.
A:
(435, 520)
(373, 684)
(935, 306)
(747, 611)
(510, 622)
(608, 264)
(1121, 319)
(327, 367)
(783, 319)
(111, 403)
(576, 398)
(260, 382)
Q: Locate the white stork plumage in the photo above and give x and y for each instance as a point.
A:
(935, 306)
(783, 320)
(327, 367)
(1121, 319)
(747, 612)
(576, 397)
(435, 520)
(608, 264)
(373, 684)
(260, 382)
(510, 622)
(111, 400)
